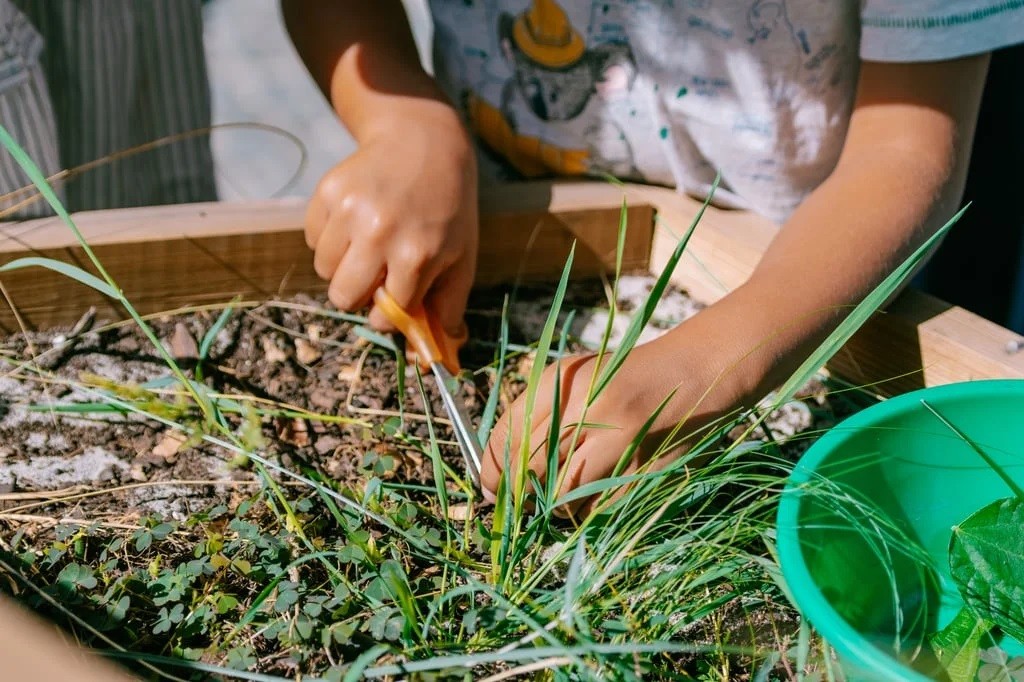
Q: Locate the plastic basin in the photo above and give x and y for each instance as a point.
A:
(870, 495)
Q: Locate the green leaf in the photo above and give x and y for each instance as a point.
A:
(66, 269)
(76, 575)
(117, 611)
(211, 333)
(163, 530)
(143, 540)
(643, 316)
(957, 646)
(986, 561)
(304, 626)
(225, 603)
(285, 600)
(375, 338)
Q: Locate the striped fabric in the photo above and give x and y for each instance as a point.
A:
(80, 79)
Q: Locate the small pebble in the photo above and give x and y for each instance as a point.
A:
(327, 444)
(305, 352)
(458, 512)
(183, 344)
(137, 473)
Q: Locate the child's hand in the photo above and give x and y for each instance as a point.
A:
(651, 373)
(402, 212)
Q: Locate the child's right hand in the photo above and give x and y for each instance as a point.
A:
(402, 212)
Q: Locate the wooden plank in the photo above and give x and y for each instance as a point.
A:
(32, 649)
(173, 256)
(918, 341)
(166, 257)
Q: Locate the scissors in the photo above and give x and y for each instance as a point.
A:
(436, 350)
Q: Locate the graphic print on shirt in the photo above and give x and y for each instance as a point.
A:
(767, 17)
(561, 81)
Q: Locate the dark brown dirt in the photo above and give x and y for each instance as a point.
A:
(286, 355)
(289, 355)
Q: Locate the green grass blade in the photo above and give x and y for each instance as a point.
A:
(215, 329)
(435, 451)
(605, 484)
(398, 584)
(860, 314)
(489, 416)
(550, 487)
(71, 271)
(198, 666)
(987, 458)
(643, 316)
(533, 383)
(376, 338)
(572, 580)
(357, 670)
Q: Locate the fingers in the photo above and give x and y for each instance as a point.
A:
(449, 294)
(356, 277)
(326, 225)
(592, 461)
(502, 440)
(315, 220)
(507, 433)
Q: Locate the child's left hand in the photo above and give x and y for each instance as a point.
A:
(651, 373)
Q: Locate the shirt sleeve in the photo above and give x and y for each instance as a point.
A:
(933, 30)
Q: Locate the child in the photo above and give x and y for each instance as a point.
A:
(848, 123)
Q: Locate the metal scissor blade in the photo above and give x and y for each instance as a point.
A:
(464, 434)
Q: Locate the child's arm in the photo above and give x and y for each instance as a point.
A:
(900, 177)
(402, 209)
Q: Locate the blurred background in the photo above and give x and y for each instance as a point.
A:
(256, 76)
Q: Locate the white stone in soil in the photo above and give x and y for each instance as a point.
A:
(789, 419)
(49, 472)
(169, 502)
(36, 440)
(589, 325)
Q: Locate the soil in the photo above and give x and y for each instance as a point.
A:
(285, 352)
(94, 466)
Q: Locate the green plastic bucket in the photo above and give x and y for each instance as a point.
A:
(888, 479)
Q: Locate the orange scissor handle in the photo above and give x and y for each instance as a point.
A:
(426, 339)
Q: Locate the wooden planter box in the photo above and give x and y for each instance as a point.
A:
(170, 257)
(174, 256)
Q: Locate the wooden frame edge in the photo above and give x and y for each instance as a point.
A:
(172, 256)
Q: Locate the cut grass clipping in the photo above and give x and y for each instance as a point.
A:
(306, 577)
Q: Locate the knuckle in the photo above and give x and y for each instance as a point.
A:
(421, 253)
(376, 232)
(332, 186)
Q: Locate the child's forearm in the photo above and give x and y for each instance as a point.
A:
(901, 177)
(363, 56)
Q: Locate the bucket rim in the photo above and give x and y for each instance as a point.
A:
(809, 600)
